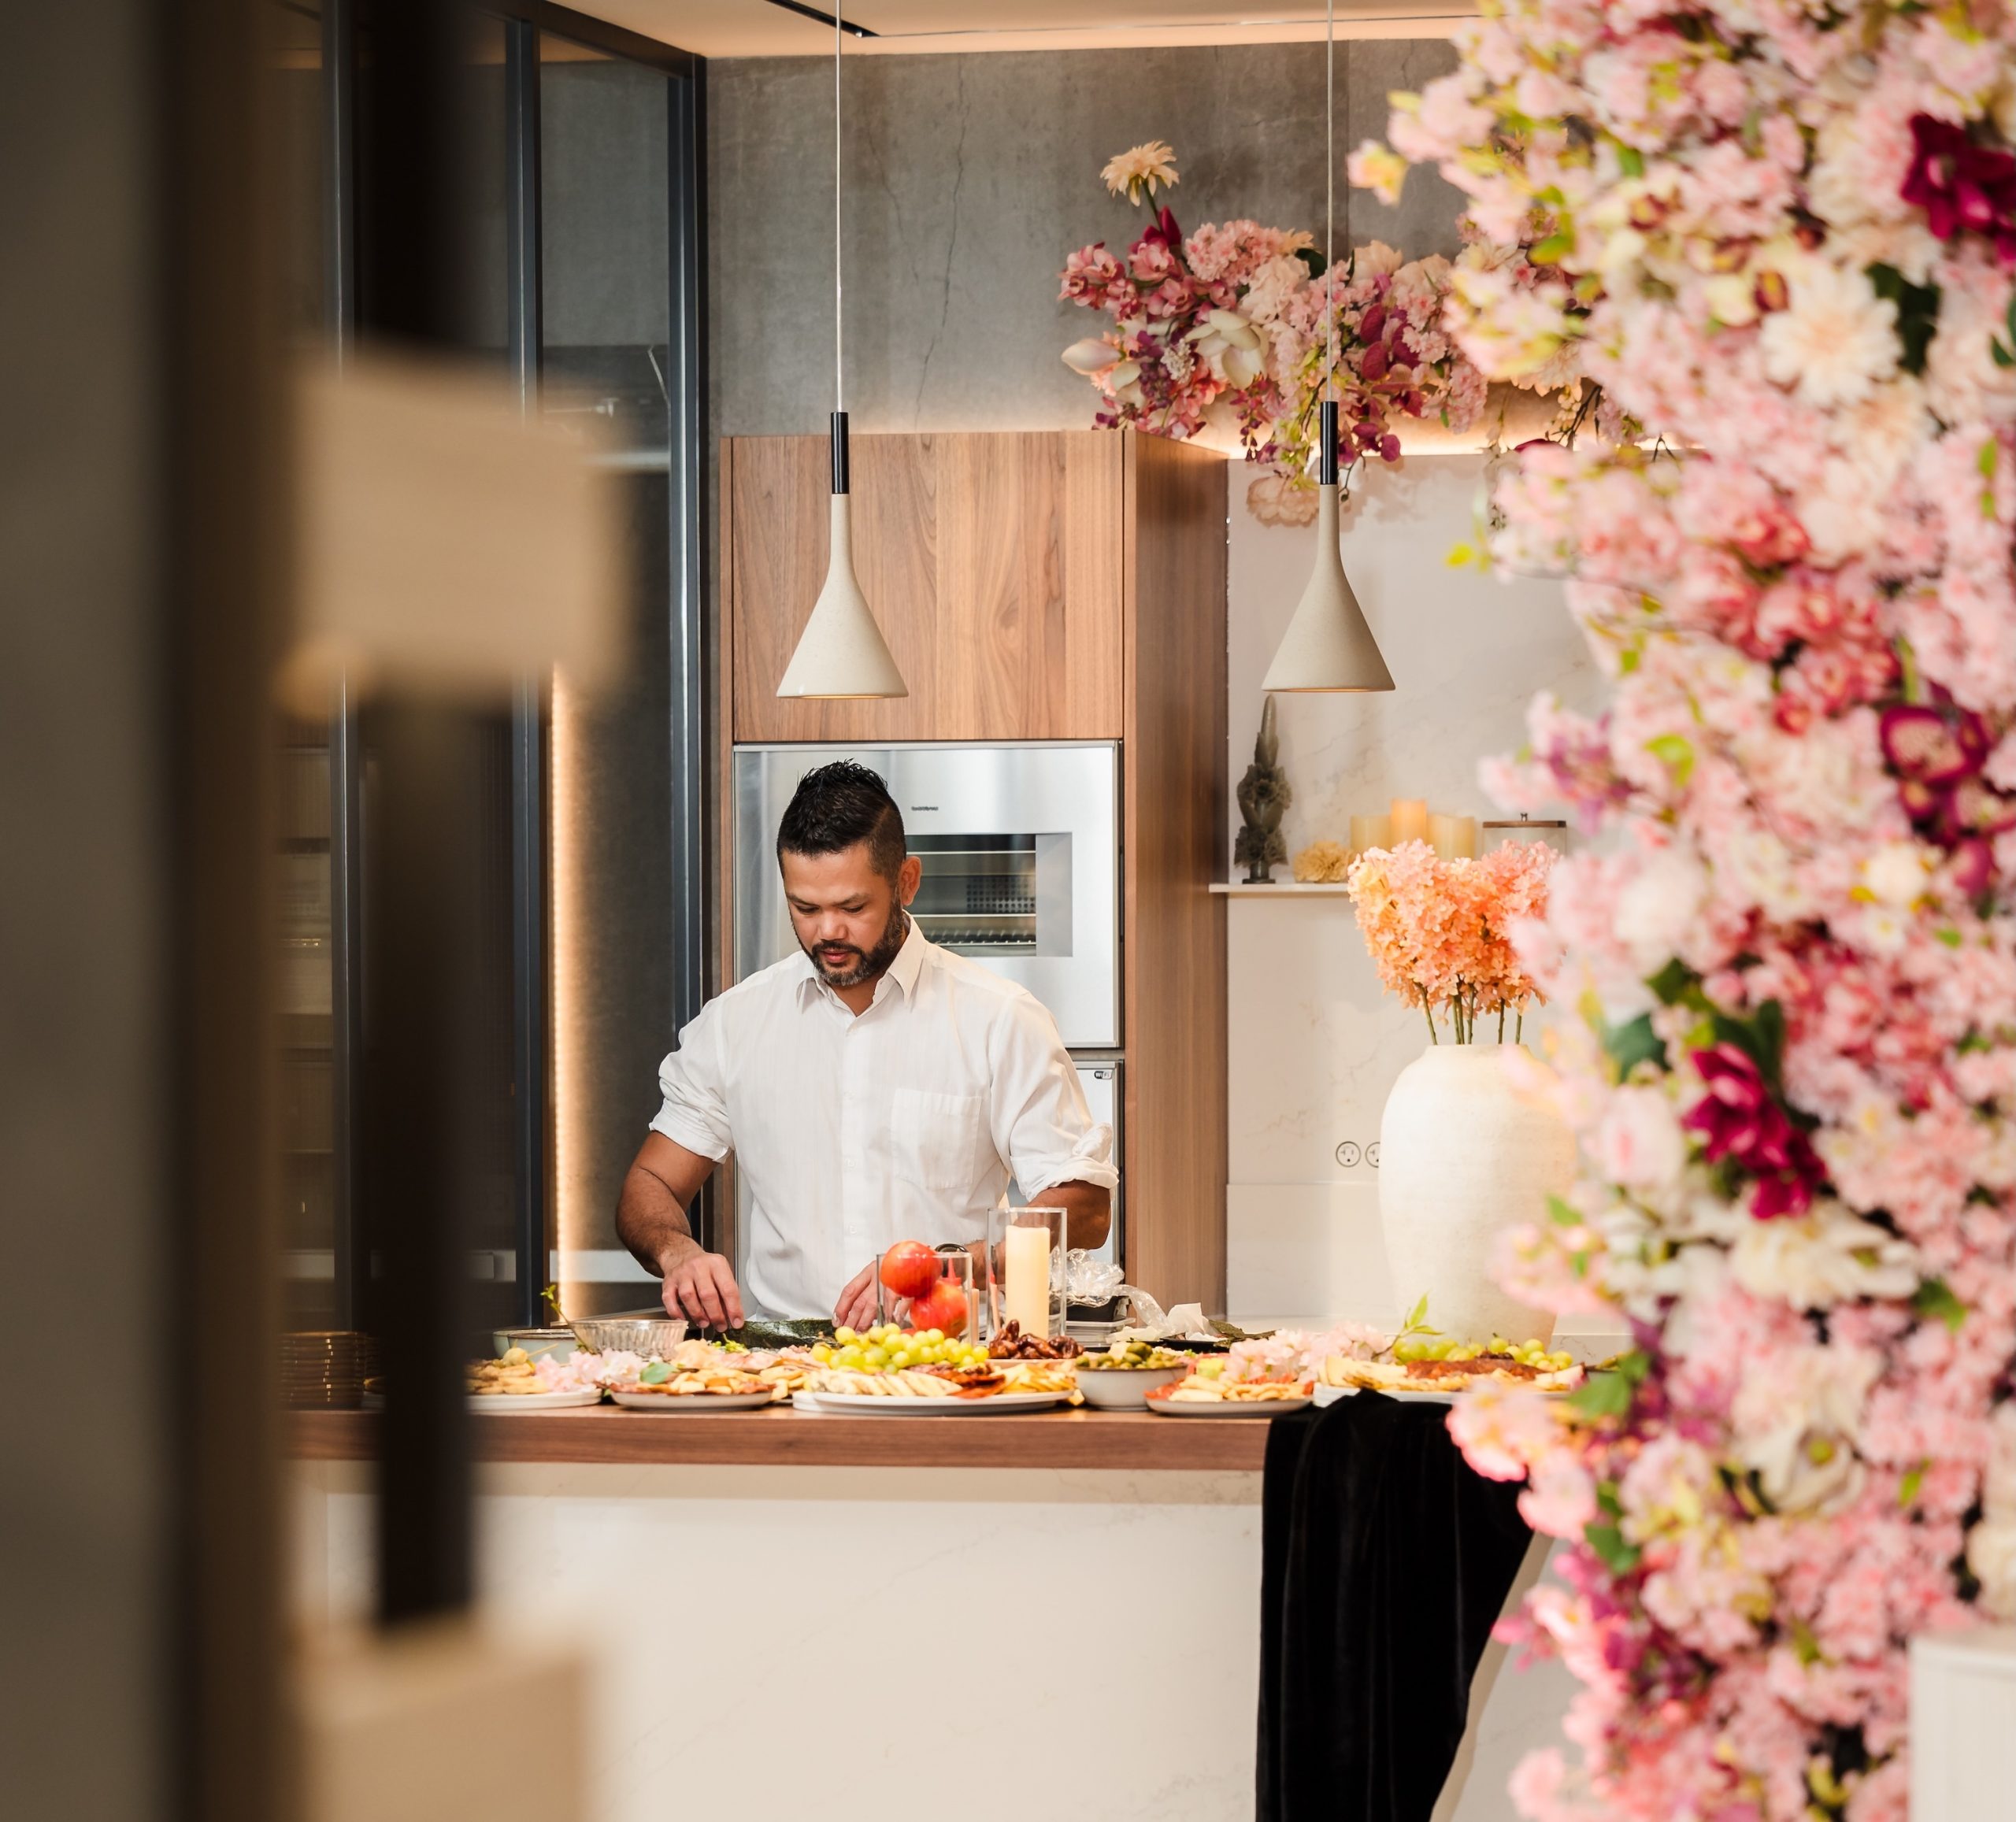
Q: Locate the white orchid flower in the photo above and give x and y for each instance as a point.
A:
(1231, 344)
(1090, 355)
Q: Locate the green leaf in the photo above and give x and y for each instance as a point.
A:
(1561, 1214)
(1675, 983)
(1602, 1394)
(1933, 1298)
(1676, 753)
(1633, 1366)
(1608, 1502)
(1985, 460)
(1999, 352)
(1761, 1037)
(1949, 937)
(1804, 1644)
(1907, 1488)
(1630, 161)
(656, 1374)
(1548, 252)
(1917, 313)
(1620, 1557)
(1634, 1042)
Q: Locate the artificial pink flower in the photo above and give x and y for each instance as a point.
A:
(1962, 188)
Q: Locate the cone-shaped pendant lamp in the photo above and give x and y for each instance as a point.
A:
(1327, 645)
(841, 652)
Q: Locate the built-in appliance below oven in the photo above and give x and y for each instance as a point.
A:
(1021, 850)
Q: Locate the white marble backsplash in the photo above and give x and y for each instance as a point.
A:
(1315, 1045)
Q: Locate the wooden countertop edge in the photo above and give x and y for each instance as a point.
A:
(1124, 1442)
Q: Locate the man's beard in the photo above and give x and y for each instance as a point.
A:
(867, 964)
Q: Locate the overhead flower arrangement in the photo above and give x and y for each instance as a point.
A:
(1782, 239)
(1231, 317)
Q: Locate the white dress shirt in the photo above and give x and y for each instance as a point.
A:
(904, 1123)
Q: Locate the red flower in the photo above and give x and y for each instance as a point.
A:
(1962, 188)
(1740, 1119)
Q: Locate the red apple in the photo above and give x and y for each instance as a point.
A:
(942, 1307)
(910, 1269)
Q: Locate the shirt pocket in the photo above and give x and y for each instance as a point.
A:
(936, 1138)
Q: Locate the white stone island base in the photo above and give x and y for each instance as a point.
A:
(1001, 1644)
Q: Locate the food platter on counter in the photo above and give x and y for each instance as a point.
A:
(567, 1401)
(1328, 1395)
(695, 1401)
(1163, 1407)
(848, 1404)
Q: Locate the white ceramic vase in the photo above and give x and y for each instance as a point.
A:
(1464, 1153)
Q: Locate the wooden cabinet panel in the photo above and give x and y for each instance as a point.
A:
(1174, 985)
(993, 563)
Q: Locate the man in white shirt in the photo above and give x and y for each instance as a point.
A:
(875, 1088)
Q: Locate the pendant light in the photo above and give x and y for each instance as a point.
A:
(841, 651)
(1327, 645)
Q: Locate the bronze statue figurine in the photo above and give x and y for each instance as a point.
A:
(1264, 795)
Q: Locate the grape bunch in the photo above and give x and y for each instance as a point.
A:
(890, 1348)
(1531, 1353)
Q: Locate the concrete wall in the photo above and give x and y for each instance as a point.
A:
(967, 180)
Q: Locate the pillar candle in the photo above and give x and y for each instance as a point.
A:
(1454, 837)
(1025, 1265)
(1371, 831)
(1410, 819)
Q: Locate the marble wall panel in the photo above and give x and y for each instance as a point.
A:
(1315, 1045)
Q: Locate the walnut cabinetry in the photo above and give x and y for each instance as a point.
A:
(1039, 586)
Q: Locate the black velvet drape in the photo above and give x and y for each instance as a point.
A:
(1386, 1563)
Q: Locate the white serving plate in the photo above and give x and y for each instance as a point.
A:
(1330, 1394)
(835, 1404)
(694, 1401)
(1266, 1408)
(537, 1401)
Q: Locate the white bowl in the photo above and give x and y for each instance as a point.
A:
(1125, 1388)
(554, 1344)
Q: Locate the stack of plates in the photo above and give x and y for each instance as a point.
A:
(325, 1369)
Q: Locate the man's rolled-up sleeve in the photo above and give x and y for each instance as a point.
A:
(695, 1110)
(1043, 1128)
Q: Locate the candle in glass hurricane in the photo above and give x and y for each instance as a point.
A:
(1410, 820)
(1371, 831)
(1453, 838)
(1025, 1268)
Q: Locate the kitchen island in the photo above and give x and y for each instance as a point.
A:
(1050, 1614)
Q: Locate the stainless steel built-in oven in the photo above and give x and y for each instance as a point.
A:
(1021, 849)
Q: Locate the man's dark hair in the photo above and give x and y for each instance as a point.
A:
(837, 806)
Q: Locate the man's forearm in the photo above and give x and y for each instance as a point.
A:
(651, 1223)
(1089, 1208)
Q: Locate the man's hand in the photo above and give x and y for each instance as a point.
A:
(700, 1285)
(856, 1308)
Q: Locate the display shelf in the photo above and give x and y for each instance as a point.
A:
(1280, 889)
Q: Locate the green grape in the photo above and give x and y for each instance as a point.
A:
(845, 1335)
(822, 1353)
(850, 1357)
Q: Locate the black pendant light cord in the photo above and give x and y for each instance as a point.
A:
(840, 426)
(1326, 415)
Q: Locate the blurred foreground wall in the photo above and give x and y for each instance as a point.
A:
(84, 1491)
